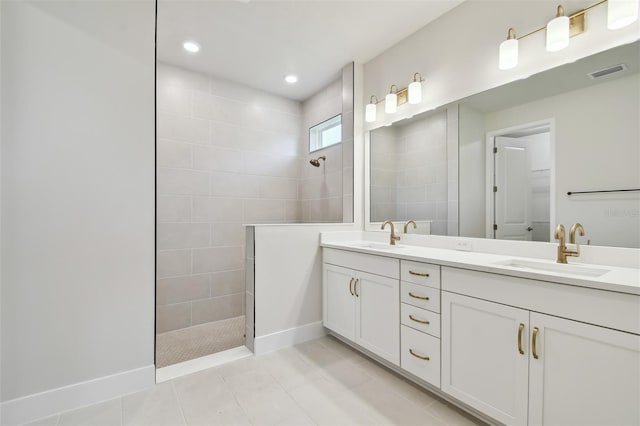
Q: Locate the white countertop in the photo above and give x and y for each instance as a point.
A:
(618, 279)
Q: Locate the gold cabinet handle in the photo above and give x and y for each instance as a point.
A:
(417, 320)
(351, 287)
(520, 330)
(533, 342)
(419, 274)
(418, 297)
(424, 358)
(355, 287)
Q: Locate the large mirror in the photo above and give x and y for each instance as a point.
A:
(562, 146)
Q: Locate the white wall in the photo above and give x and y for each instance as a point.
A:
(596, 147)
(457, 54)
(77, 201)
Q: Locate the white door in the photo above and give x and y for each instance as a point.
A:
(378, 315)
(339, 301)
(584, 374)
(512, 195)
(485, 356)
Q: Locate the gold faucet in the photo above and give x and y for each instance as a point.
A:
(393, 237)
(572, 233)
(563, 251)
(406, 225)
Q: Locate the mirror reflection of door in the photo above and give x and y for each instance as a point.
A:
(522, 185)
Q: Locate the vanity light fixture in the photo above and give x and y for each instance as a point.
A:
(558, 31)
(411, 94)
(371, 111)
(415, 89)
(191, 46)
(391, 101)
(620, 13)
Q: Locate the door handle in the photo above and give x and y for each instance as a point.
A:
(529, 229)
(520, 330)
(355, 287)
(351, 286)
(533, 342)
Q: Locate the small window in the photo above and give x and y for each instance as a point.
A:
(326, 133)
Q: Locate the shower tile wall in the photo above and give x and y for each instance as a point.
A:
(410, 176)
(226, 155)
(320, 190)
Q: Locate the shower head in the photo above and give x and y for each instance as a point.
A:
(316, 161)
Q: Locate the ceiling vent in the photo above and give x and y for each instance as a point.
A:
(607, 71)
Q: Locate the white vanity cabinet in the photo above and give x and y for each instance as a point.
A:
(520, 366)
(361, 300)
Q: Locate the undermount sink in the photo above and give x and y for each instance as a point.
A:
(561, 268)
(380, 246)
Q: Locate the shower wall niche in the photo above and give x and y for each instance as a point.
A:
(229, 155)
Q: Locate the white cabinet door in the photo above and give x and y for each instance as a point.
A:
(339, 301)
(583, 374)
(378, 315)
(483, 364)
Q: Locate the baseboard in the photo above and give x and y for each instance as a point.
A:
(33, 407)
(293, 336)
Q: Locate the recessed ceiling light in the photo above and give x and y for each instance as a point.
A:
(291, 79)
(191, 47)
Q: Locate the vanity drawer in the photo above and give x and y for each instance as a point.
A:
(420, 273)
(420, 296)
(378, 265)
(415, 347)
(414, 317)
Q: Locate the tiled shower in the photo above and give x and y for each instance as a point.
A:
(228, 155)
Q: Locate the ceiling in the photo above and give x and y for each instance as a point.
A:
(258, 42)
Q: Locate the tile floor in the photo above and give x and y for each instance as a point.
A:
(321, 382)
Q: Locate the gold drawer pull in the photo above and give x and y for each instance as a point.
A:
(534, 351)
(520, 329)
(418, 297)
(424, 358)
(355, 287)
(417, 320)
(351, 287)
(419, 274)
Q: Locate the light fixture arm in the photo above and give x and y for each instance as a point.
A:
(417, 77)
(391, 89)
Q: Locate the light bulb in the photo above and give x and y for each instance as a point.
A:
(508, 54)
(191, 47)
(415, 92)
(621, 13)
(370, 113)
(391, 103)
(509, 51)
(558, 32)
